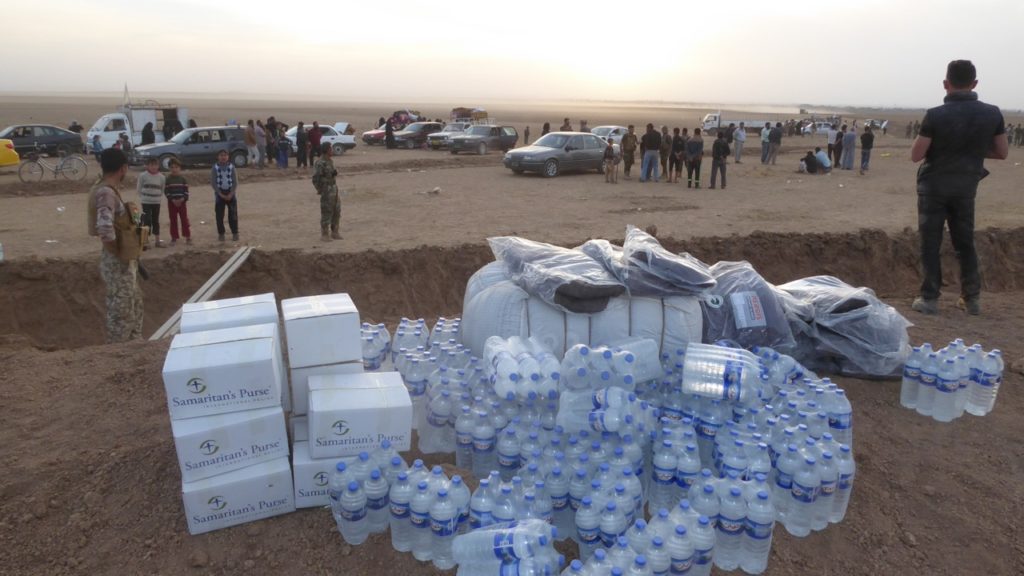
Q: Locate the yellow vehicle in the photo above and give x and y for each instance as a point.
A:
(8, 155)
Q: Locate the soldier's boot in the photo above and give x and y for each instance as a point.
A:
(324, 235)
(335, 235)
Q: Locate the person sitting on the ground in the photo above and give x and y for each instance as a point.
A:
(824, 164)
(809, 164)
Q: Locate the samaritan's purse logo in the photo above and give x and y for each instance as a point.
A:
(217, 503)
(340, 428)
(320, 478)
(196, 386)
(209, 447)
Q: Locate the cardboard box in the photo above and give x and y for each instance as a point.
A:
(300, 381)
(229, 313)
(211, 445)
(238, 497)
(271, 330)
(350, 413)
(300, 428)
(312, 478)
(217, 377)
(322, 330)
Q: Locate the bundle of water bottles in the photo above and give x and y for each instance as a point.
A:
(946, 383)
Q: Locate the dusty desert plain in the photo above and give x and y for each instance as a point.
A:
(91, 483)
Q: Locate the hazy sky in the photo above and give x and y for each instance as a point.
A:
(866, 52)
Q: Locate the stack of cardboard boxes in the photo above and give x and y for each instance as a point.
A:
(223, 379)
(227, 393)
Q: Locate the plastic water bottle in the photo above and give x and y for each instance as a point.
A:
(757, 543)
(400, 496)
(383, 455)
(481, 506)
(844, 488)
(612, 524)
(486, 550)
(339, 480)
(985, 387)
(947, 385)
(687, 468)
(419, 514)
(588, 528)
(484, 457)
(732, 520)
(840, 418)
(459, 494)
(558, 489)
(804, 493)
(575, 568)
(620, 554)
(464, 425)
(508, 454)
(703, 539)
(354, 526)
(639, 567)
(444, 520)
(416, 382)
(505, 509)
(786, 468)
(658, 557)
(707, 504)
(599, 564)
(680, 550)
(663, 477)
(828, 471)
(723, 373)
(361, 467)
(377, 502)
(438, 412)
(926, 389)
(911, 378)
(637, 536)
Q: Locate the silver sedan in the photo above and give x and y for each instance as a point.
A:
(558, 152)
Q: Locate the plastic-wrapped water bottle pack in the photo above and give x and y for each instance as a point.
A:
(946, 383)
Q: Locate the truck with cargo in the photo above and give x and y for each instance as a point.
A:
(130, 118)
(716, 121)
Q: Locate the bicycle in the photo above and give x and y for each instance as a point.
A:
(70, 167)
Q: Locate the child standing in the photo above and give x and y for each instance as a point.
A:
(611, 164)
(283, 145)
(176, 190)
(97, 147)
(224, 181)
(151, 196)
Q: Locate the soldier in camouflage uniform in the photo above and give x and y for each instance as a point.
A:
(324, 175)
(116, 223)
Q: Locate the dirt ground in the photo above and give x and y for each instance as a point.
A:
(91, 484)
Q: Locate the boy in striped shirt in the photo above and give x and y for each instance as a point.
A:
(176, 190)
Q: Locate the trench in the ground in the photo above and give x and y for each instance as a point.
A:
(54, 304)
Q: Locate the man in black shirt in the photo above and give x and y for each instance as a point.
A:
(719, 152)
(867, 142)
(651, 144)
(954, 141)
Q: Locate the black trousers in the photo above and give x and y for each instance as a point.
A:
(232, 207)
(933, 213)
(693, 171)
(302, 156)
(717, 164)
(675, 164)
(151, 216)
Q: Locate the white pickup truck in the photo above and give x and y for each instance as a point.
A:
(340, 136)
(132, 118)
(715, 121)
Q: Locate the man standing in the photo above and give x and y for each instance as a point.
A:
(301, 146)
(250, 142)
(314, 136)
(389, 134)
(719, 154)
(849, 146)
(114, 221)
(740, 138)
(628, 146)
(666, 148)
(651, 144)
(774, 142)
(764, 141)
(867, 142)
(566, 126)
(526, 135)
(325, 182)
(954, 141)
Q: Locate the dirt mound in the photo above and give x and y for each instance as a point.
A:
(59, 303)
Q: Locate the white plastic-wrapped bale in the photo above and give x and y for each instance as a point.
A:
(495, 306)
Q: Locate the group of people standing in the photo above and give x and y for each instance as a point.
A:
(842, 146)
(268, 143)
(664, 153)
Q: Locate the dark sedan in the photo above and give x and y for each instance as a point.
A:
(558, 152)
(415, 134)
(483, 137)
(44, 137)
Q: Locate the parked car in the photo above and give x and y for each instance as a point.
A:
(439, 140)
(614, 133)
(8, 155)
(483, 137)
(818, 127)
(375, 136)
(558, 152)
(877, 124)
(45, 137)
(194, 146)
(340, 141)
(415, 134)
